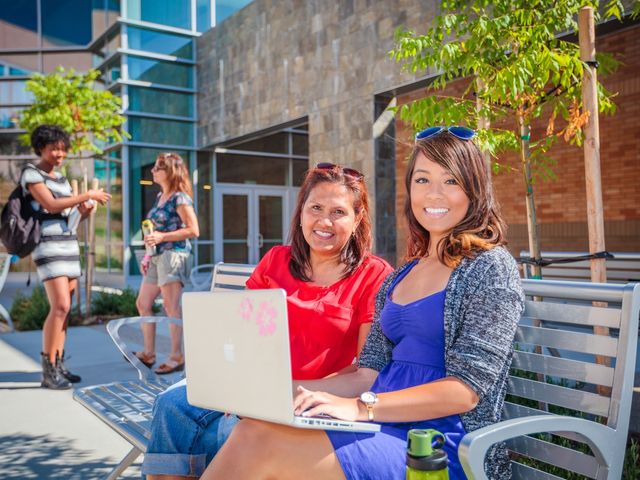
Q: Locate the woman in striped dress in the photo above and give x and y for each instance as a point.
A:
(57, 256)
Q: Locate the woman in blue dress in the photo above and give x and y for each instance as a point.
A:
(440, 347)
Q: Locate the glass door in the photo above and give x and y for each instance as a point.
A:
(249, 221)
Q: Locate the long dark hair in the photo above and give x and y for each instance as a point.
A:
(358, 246)
(482, 227)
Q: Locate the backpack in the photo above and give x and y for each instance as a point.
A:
(20, 222)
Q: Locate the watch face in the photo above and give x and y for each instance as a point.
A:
(368, 397)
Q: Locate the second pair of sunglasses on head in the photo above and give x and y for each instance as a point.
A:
(351, 172)
(463, 133)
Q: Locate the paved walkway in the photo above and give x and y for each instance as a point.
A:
(45, 434)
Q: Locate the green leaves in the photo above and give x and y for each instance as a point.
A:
(69, 99)
(510, 48)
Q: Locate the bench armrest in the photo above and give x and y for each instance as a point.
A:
(113, 327)
(205, 278)
(474, 445)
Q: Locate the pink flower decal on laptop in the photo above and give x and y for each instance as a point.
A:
(265, 319)
(246, 309)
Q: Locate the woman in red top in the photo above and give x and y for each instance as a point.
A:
(331, 280)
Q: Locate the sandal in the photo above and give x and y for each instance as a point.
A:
(170, 366)
(147, 360)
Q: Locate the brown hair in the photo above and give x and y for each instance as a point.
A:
(482, 227)
(358, 246)
(177, 172)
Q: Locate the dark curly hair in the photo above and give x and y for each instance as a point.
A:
(47, 134)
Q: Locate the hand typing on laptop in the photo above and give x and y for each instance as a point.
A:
(313, 404)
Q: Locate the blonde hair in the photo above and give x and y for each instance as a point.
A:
(177, 172)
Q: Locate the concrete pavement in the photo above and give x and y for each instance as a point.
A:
(45, 434)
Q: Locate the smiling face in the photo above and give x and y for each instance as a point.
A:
(437, 201)
(328, 219)
(54, 153)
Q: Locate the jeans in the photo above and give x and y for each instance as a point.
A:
(184, 439)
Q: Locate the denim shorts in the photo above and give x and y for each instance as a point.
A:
(184, 439)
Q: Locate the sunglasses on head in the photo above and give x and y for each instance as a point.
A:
(463, 133)
(351, 172)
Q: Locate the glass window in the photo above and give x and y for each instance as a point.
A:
(18, 24)
(160, 101)
(300, 144)
(152, 130)
(101, 172)
(160, 72)
(226, 8)
(159, 42)
(66, 22)
(205, 252)
(111, 72)
(248, 169)
(11, 145)
(300, 168)
(9, 117)
(203, 15)
(205, 197)
(19, 64)
(13, 92)
(175, 13)
(79, 61)
(110, 45)
(276, 143)
(104, 14)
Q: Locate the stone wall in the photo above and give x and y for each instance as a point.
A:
(276, 61)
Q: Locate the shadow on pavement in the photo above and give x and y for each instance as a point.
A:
(50, 457)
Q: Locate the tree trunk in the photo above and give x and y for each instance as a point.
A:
(91, 258)
(595, 213)
(532, 223)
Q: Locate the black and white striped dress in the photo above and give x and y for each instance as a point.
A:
(58, 253)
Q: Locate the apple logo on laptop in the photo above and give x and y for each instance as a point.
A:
(230, 352)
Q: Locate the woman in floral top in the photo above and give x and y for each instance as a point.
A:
(166, 272)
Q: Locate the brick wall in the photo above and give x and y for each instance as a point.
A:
(561, 203)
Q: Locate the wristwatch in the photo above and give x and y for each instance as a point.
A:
(369, 399)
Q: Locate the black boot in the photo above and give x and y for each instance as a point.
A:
(51, 376)
(66, 373)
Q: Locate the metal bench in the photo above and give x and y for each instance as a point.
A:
(126, 406)
(5, 264)
(566, 411)
(624, 267)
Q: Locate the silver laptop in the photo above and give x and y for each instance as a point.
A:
(237, 357)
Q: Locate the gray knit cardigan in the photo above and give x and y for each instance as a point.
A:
(483, 304)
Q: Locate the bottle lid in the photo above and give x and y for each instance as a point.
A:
(424, 450)
(436, 461)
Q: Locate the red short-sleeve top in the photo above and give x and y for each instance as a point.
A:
(324, 321)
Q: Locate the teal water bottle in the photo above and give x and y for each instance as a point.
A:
(424, 462)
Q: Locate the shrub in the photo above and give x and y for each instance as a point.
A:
(108, 304)
(632, 461)
(30, 312)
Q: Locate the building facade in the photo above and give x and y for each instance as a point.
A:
(145, 50)
(252, 93)
(329, 65)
